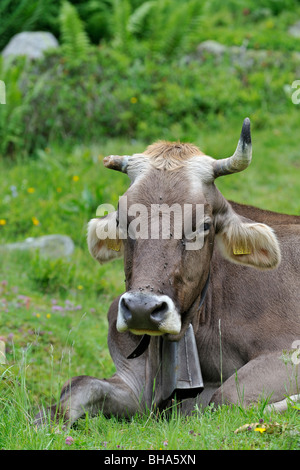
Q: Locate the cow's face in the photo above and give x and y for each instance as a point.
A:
(166, 225)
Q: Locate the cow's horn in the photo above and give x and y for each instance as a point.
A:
(116, 162)
(241, 158)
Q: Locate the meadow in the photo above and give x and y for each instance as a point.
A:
(53, 140)
(53, 312)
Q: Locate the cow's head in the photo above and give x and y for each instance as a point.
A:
(166, 241)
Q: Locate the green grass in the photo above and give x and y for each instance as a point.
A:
(53, 314)
(210, 430)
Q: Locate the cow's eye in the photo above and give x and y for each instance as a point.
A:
(206, 226)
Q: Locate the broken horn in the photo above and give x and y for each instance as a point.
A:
(117, 162)
(241, 158)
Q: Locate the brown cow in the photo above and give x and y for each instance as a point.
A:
(194, 322)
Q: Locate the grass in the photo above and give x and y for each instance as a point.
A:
(201, 431)
(53, 313)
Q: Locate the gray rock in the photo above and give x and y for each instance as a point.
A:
(240, 56)
(211, 47)
(49, 246)
(248, 58)
(30, 44)
(205, 49)
(294, 30)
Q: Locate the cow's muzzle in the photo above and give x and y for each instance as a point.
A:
(148, 314)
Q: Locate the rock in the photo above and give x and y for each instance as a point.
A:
(211, 47)
(30, 44)
(294, 30)
(239, 56)
(248, 58)
(205, 49)
(49, 246)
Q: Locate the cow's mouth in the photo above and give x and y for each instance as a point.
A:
(149, 314)
(146, 332)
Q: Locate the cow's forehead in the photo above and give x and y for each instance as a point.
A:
(172, 157)
(186, 184)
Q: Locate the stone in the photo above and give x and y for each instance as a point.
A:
(211, 47)
(30, 44)
(49, 246)
(248, 58)
(294, 30)
(240, 56)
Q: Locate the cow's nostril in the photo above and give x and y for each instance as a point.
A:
(158, 313)
(127, 315)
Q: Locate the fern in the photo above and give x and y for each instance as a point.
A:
(165, 28)
(121, 10)
(17, 16)
(137, 18)
(75, 42)
(171, 27)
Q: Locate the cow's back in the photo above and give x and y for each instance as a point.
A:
(264, 216)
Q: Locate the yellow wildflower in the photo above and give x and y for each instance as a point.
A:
(35, 221)
(48, 315)
(79, 287)
(30, 190)
(270, 24)
(75, 178)
(2, 222)
(261, 430)
(133, 100)
(38, 315)
(59, 190)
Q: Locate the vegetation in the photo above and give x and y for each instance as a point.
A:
(145, 80)
(127, 73)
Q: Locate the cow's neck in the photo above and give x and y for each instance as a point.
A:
(173, 369)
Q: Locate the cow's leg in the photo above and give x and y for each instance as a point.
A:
(121, 395)
(84, 394)
(282, 405)
(268, 376)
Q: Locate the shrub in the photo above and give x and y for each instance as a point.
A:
(140, 84)
(51, 276)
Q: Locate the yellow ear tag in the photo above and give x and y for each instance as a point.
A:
(114, 245)
(241, 251)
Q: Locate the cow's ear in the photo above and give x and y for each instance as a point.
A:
(252, 244)
(102, 237)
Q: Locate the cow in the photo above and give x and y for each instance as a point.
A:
(214, 324)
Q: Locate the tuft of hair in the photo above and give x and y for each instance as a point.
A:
(165, 155)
